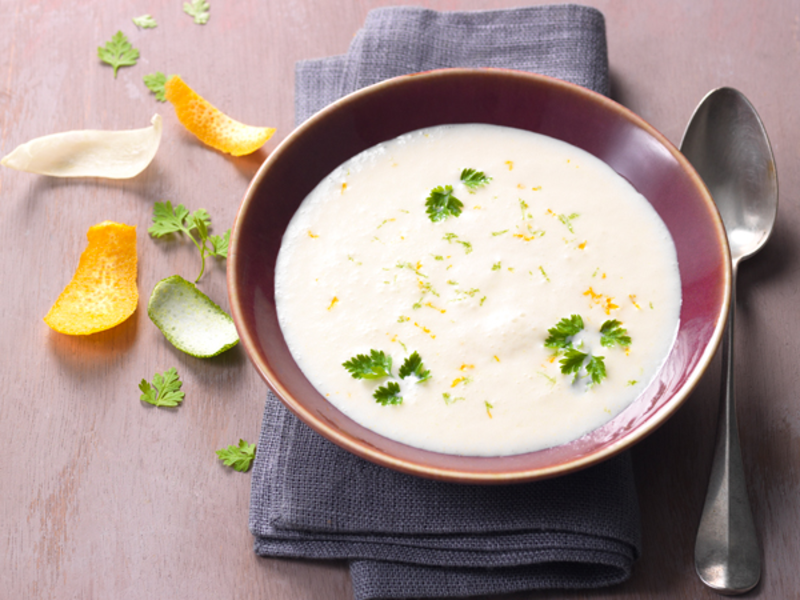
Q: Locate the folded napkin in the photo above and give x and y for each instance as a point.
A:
(407, 537)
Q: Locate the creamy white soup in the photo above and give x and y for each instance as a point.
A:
(478, 290)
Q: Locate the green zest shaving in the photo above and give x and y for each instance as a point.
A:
(240, 457)
(189, 319)
(167, 219)
(118, 52)
(164, 391)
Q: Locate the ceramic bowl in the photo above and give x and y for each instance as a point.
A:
(536, 103)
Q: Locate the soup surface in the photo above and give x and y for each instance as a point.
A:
(478, 290)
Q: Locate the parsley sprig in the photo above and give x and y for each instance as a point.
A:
(145, 22)
(118, 52)
(168, 219)
(561, 335)
(378, 365)
(441, 203)
(164, 391)
(240, 457)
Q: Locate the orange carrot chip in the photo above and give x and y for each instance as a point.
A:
(103, 292)
(212, 126)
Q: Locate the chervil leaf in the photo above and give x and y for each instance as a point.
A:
(165, 390)
(197, 9)
(413, 365)
(167, 219)
(474, 179)
(596, 368)
(118, 52)
(374, 366)
(614, 334)
(442, 204)
(560, 334)
(388, 394)
(572, 362)
(238, 457)
(155, 83)
(145, 22)
(220, 244)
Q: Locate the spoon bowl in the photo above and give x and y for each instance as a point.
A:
(728, 146)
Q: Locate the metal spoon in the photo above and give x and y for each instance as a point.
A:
(726, 143)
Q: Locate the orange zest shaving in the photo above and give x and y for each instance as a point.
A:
(212, 126)
(103, 292)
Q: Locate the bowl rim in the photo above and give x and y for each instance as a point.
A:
(365, 450)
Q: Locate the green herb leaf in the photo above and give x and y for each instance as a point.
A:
(199, 9)
(474, 179)
(413, 364)
(221, 244)
(596, 368)
(442, 204)
(238, 457)
(155, 83)
(388, 394)
(118, 52)
(374, 366)
(572, 362)
(145, 22)
(560, 334)
(165, 390)
(614, 334)
(167, 219)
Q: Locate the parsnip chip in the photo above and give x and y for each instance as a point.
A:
(89, 153)
(189, 319)
(212, 126)
(103, 292)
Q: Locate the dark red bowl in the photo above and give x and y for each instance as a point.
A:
(541, 104)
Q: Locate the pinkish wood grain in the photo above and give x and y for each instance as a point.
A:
(103, 497)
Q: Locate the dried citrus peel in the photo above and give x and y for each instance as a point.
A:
(189, 319)
(89, 153)
(212, 126)
(102, 293)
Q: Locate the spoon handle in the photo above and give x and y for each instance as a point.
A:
(727, 556)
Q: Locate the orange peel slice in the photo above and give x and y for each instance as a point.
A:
(212, 126)
(103, 292)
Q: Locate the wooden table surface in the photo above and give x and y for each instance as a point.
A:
(103, 496)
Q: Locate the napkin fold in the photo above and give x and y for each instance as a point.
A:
(407, 537)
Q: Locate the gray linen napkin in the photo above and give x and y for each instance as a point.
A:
(407, 537)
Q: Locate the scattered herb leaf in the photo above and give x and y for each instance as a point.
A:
(614, 334)
(145, 22)
(118, 52)
(165, 389)
(155, 83)
(413, 365)
(560, 334)
(238, 457)
(388, 394)
(441, 203)
(474, 179)
(376, 365)
(198, 9)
